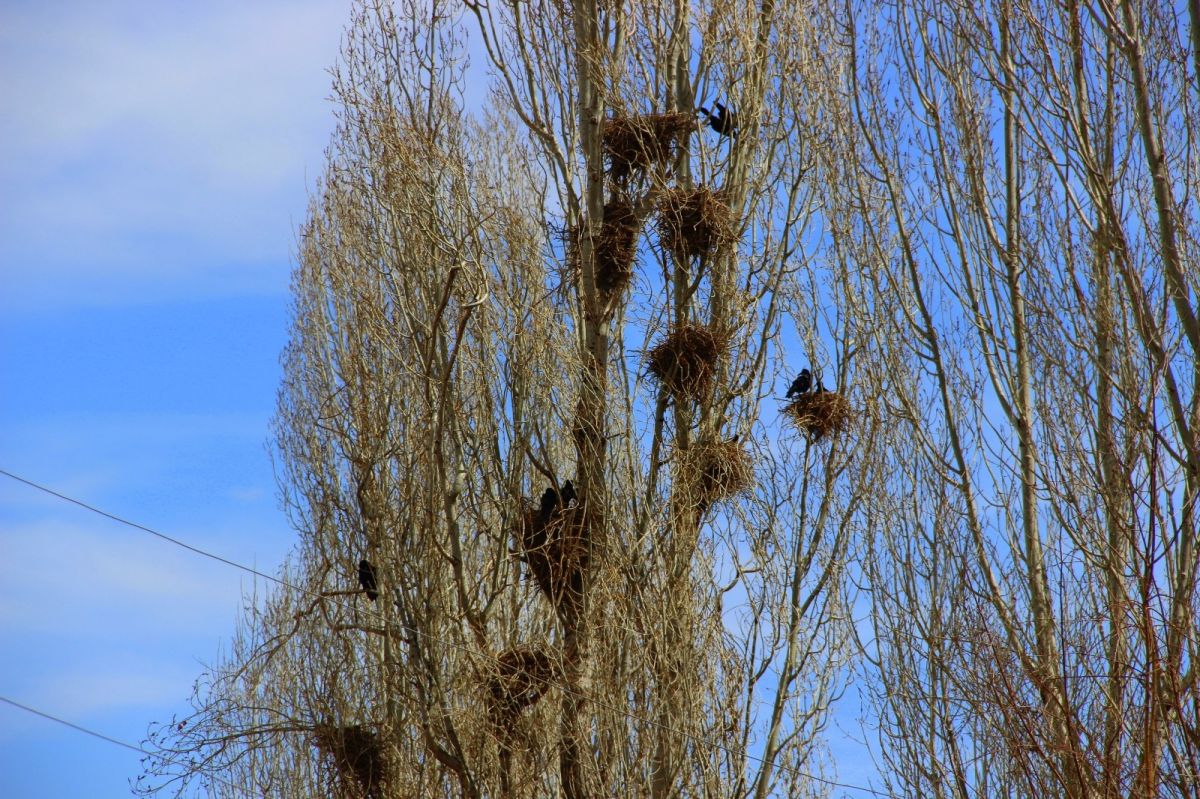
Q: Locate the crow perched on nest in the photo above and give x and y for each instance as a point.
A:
(366, 578)
(723, 122)
(568, 494)
(801, 384)
(549, 501)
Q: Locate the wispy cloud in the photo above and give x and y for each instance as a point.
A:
(102, 581)
(106, 618)
(150, 148)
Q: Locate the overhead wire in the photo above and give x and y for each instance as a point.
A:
(74, 726)
(337, 600)
(101, 736)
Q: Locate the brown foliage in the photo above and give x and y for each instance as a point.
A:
(685, 361)
(819, 413)
(692, 223)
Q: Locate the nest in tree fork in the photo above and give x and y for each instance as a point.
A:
(819, 413)
(555, 549)
(358, 756)
(613, 248)
(518, 678)
(634, 143)
(686, 360)
(716, 470)
(692, 223)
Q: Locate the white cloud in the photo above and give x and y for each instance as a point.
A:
(109, 582)
(148, 147)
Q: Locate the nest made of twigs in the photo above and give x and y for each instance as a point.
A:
(614, 247)
(633, 143)
(686, 360)
(716, 470)
(518, 678)
(359, 757)
(819, 413)
(555, 549)
(692, 223)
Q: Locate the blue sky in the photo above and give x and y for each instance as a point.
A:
(155, 161)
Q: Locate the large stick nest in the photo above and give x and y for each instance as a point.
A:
(715, 470)
(518, 678)
(820, 413)
(358, 755)
(633, 143)
(555, 549)
(614, 247)
(686, 360)
(692, 223)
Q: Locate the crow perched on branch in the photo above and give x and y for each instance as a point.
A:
(801, 384)
(568, 494)
(366, 578)
(723, 122)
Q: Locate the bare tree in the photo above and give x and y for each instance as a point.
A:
(1019, 222)
(534, 378)
(531, 382)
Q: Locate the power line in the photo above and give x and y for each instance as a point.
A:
(75, 727)
(106, 738)
(299, 589)
(141, 527)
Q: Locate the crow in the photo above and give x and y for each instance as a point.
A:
(549, 501)
(723, 122)
(366, 578)
(801, 384)
(568, 494)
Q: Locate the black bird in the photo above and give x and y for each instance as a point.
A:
(366, 578)
(549, 501)
(723, 122)
(568, 494)
(801, 384)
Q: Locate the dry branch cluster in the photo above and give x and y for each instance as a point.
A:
(694, 222)
(634, 143)
(614, 247)
(819, 413)
(518, 678)
(715, 470)
(686, 360)
(555, 549)
(357, 755)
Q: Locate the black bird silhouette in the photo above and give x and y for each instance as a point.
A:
(366, 578)
(568, 494)
(723, 122)
(801, 384)
(549, 501)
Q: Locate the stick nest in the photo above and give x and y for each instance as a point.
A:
(686, 360)
(518, 678)
(693, 223)
(614, 247)
(555, 549)
(820, 413)
(358, 755)
(716, 470)
(633, 143)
